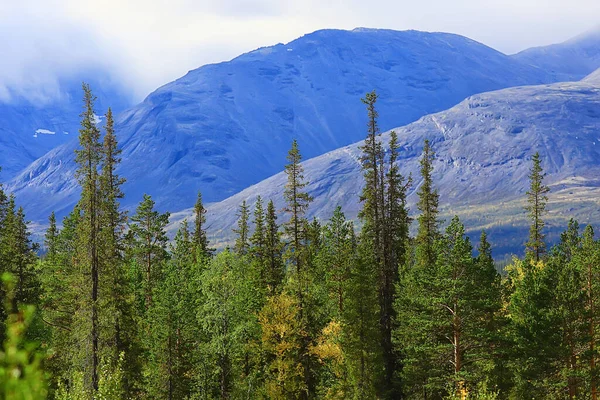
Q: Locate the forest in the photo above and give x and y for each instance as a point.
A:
(109, 307)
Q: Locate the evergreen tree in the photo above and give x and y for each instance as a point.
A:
(241, 243)
(59, 306)
(147, 231)
(296, 255)
(588, 260)
(428, 206)
(536, 207)
(273, 250)
(228, 316)
(297, 202)
(200, 240)
(449, 312)
(88, 158)
(172, 321)
(119, 330)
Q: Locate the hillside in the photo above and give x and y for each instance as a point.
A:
(30, 127)
(567, 61)
(226, 126)
(483, 147)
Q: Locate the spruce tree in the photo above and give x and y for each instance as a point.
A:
(120, 328)
(297, 255)
(257, 239)
(173, 327)
(297, 202)
(241, 243)
(147, 230)
(536, 207)
(273, 250)
(428, 206)
(88, 158)
(200, 240)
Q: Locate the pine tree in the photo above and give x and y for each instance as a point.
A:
(588, 260)
(59, 306)
(147, 230)
(241, 243)
(120, 328)
(372, 150)
(273, 250)
(536, 207)
(428, 205)
(173, 328)
(297, 202)
(88, 158)
(336, 258)
(199, 236)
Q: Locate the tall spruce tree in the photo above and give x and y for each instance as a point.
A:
(428, 203)
(297, 202)
(385, 226)
(120, 328)
(297, 256)
(88, 158)
(536, 207)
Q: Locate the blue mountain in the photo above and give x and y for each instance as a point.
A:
(224, 127)
(568, 61)
(484, 147)
(29, 129)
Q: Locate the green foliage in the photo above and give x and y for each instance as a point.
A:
(536, 207)
(21, 374)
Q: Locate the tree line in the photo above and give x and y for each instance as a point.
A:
(299, 309)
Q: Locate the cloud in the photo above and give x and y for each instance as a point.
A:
(146, 43)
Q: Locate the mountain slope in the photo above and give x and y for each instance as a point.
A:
(29, 129)
(567, 61)
(226, 126)
(483, 147)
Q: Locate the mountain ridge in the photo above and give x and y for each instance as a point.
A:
(202, 131)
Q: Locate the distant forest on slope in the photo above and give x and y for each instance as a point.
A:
(295, 309)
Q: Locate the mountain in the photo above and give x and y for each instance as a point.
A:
(483, 146)
(567, 61)
(223, 127)
(29, 128)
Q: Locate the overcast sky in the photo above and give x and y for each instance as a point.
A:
(146, 43)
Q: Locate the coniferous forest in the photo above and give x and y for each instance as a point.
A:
(110, 307)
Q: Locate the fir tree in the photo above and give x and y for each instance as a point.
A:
(536, 207)
(173, 328)
(242, 231)
(258, 238)
(273, 250)
(297, 202)
(200, 240)
(428, 205)
(147, 229)
(88, 158)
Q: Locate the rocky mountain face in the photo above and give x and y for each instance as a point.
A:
(483, 146)
(29, 128)
(224, 127)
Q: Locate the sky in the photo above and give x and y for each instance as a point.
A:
(143, 44)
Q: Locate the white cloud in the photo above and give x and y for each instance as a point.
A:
(146, 43)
